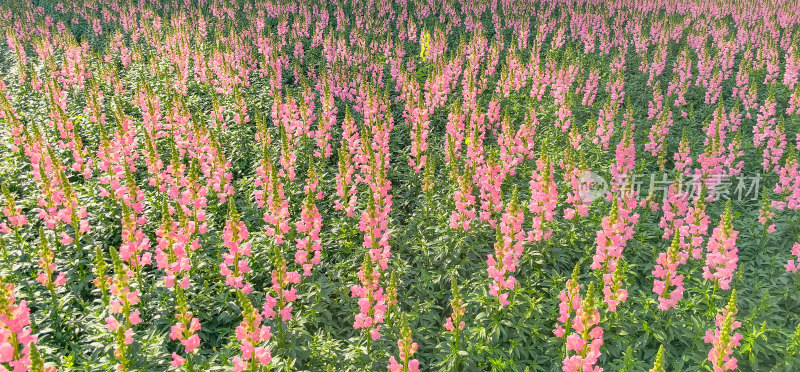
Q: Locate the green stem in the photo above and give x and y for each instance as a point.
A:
(253, 364)
(6, 259)
(281, 334)
(21, 244)
(369, 346)
(59, 247)
(457, 362)
(54, 304)
(139, 278)
(711, 303)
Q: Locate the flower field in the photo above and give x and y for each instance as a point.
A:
(423, 185)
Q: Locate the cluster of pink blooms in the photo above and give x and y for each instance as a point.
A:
(674, 207)
(464, 201)
(371, 300)
(515, 146)
(420, 126)
(281, 279)
(252, 335)
(625, 161)
(668, 284)
(721, 252)
(117, 161)
(544, 197)
(287, 117)
(373, 162)
(454, 134)
(508, 250)
(191, 200)
(794, 264)
(122, 300)
(346, 187)
(489, 177)
(185, 332)
(374, 223)
(788, 185)
(327, 121)
(719, 153)
(173, 248)
(16, 340)
(129, 261)
(617, 230)
(14, 214)
(235, 261)
(570, 300)
(696, 223)
(578, 177)
(308, 227)
(733, 159)
(172, 256)
(19, 49)
(794, 102)
(766, 213)
(722, 338)
(47, 271)
(659, 131)
(407, 349)
(590, 87)
(766, 134)
(683, 157)
(454, 322)
(54, 205)
(585, 338)
(116, 158)
(135, 245)
(72, 213)
(464, 168)
(276, 214)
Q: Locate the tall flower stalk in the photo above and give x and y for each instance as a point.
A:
(407, 348)
(723, 339)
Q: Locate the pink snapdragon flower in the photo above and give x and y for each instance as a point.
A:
(252, 335)
(544, 198)
(407, 349)
(284, 296)
(235, 266)
(617, 230)
(309, 243)
(696, 222)
(454, 322)
(46, 275)
(16, 338)
(668, 284)
(508, 250)
(464, 201)
(585, 338)
(371, 300)
(793, 264)
(722, 254)
(722, 338)
(570, 300)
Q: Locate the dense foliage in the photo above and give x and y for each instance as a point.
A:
(420, 185)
